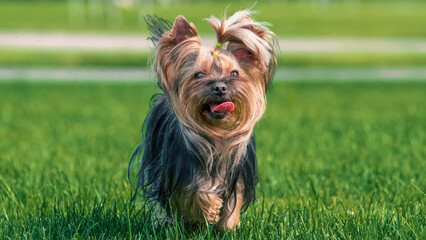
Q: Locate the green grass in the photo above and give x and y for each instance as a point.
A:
(72, 58)
(336, 161)
(302, 18)
(394, 19)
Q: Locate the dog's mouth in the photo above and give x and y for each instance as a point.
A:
(218, 110)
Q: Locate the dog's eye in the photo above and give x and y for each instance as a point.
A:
(234, 74)
(199, 75)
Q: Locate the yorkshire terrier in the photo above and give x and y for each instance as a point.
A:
(198, 159)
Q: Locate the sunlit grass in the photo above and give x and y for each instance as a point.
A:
(335, 161)
(291, 18)
(139, 59)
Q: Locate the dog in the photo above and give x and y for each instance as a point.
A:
(197, 156)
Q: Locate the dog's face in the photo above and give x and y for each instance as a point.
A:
(218, 89)
(219, 93)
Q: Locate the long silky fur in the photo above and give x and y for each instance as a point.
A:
(255, 36)
(176, 154)
(167, 166)
(157, 26)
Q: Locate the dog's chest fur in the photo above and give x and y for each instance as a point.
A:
(170, 166)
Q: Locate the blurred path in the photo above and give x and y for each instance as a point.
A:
(284, 74)
(139, 43)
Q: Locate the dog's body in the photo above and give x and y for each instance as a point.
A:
(176, 173)
(198, 156)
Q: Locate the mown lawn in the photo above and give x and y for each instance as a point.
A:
(290, 18)
(72, 58)
(336, 161)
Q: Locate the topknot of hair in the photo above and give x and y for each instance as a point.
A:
(240, 28)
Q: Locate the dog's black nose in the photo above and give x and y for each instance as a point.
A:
(219, 88)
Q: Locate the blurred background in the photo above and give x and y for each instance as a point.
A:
(324, 39)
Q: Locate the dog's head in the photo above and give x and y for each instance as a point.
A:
(219, 89)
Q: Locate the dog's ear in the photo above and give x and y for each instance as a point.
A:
(182, 30)
(251, 42)
(176, 48)
(240, 51)
(247, 51)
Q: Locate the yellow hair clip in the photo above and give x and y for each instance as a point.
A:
(219, 45)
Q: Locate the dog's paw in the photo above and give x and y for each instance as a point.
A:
(233, 222)
(212, 212)
(229, 224)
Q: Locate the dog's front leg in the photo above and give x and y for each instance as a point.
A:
(199, 207)
(210, 205)
(232, 209)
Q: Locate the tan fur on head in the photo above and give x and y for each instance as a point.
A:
(247, 43)
(250, 41)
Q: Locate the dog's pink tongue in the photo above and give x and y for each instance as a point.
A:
(223, 107)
